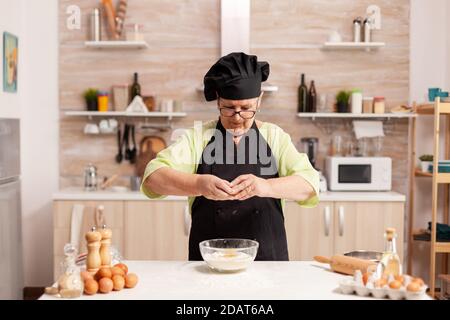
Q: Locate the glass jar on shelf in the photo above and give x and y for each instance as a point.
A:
(379, 105)
(367, 105)
(134, 32)
(120, 97)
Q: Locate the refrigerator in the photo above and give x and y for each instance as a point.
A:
(11, 266)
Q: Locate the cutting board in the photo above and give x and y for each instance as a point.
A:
(148, 149)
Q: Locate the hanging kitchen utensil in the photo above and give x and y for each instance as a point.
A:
(133, 152)
(119, 156)
(127, 142)
(149, 147)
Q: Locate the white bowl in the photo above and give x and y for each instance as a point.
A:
(228, 255)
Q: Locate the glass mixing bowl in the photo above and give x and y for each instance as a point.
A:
(228, 255)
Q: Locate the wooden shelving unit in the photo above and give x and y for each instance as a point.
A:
(437, 109)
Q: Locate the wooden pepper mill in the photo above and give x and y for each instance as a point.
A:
(105, 248)
(93, 260)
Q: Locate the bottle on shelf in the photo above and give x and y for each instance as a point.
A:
(357, 24)
(357, 101)
(302, 96)
(390, 261)
(367, 27)
(135, 89)
(312, 98)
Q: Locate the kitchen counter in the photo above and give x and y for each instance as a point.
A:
(80, 194)
(275, 280)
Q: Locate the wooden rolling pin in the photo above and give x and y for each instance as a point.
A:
(110, 15)
(344, 264)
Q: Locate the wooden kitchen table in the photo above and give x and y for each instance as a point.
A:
(263, 280)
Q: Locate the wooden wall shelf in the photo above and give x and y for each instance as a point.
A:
(90, 114)
(133, 45)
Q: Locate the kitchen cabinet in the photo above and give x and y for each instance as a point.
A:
(67, 227)
(156, 230)
(338, 227)
(310, 232)
(142, 230)
(361, 225)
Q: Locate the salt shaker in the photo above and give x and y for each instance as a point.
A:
(367, 31)
(96, 25)
(357, 29)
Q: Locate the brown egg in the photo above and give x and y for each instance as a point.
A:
(105, 285)
(413, 287)
(400, 278)
(131, 280)
(419, 281)
(90, 287)
(119, 282)
(122, 266)
(103, 273)
(365, 277)
(117, 271)
(85, 275)
(395, 284)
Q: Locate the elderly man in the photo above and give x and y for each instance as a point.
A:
(236, 170)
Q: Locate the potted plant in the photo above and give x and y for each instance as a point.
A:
(342, 99)
(90, 96)
(425, 161)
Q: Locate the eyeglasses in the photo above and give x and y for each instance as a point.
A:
(244, 114)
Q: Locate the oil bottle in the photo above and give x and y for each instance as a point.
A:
(390, 260)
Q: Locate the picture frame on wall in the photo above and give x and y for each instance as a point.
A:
(10, 62)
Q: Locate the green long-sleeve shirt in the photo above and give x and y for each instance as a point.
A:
(185, 154)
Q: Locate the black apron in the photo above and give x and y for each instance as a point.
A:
(256, 218)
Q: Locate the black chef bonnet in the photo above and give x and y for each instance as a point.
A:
(236, 76)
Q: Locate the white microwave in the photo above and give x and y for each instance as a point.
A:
(359, 173)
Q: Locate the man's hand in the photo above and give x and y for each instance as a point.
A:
(214, 188)
(248, 185)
